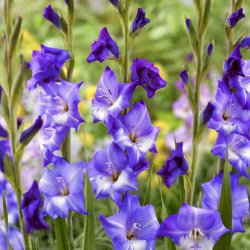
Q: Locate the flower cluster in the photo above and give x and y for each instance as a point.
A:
(231, 114)
(58, 99)
(114, 169)
(13, 236)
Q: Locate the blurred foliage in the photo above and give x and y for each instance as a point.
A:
(164, 42)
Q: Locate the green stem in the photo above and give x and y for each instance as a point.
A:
(182, 190)
(66, 145)
(127, 45)
(8, 64)
(109, 207)
(70, 227)
(89, 220)
(61, 232)
(196, 112)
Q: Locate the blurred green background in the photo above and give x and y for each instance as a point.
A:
(164, 42)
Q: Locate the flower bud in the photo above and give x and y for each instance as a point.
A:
(184, 76)
(28, 134)
(245, 43)
(235, 18)
(52, 16)
(208, 112)
(114, 2)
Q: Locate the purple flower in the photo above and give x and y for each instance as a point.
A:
(228, 116)
(50, 140)
(140, 20)
(134, 227)
(208, 112)
(233, 64)
(188, 23)
(235, 18)
(30, 205)
(105, 47)
(174, 166)
(184, 76)
(60, 103)
(240, 202)
(13, 237)
(111, 97)
(245, 43)
(62, 188)
(114, 2)
(11, 201)
(210, 49)
(46, 65)
(52, 16)
(30, 132)
(193, 228)
(3, 132)
(237, 148)
(144, 73)
(4, 149)
(134, 132)
(241, 86)
(110, 174)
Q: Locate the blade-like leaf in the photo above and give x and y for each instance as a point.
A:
(147, 197)
(168, 244)
(61, 232)
(89, 220)
(225, 209)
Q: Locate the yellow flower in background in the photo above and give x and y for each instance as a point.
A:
(163, 72)
(86, 139)
(89, 91)
(28, 43)
(20, 111)
(164, 127)
(212, 135)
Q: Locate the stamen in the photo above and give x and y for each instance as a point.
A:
(133, 231)
(196, 234)
(133, 137)
(112, 171)
(62, 186)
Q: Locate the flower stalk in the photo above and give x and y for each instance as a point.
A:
(203, 18)
(11, 42)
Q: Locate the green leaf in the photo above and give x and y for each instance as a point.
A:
(109, 207)
(5, 213)
(239, 4)
(37, 244)
(89, 220)
(61, 232)
(14, 39)
(147, 197)
(5, 108)
(225, 209)
(18, 84)
(168, 244)
(182, 190)
(192, 36)
(205, 17)
(8, 170)
(189, 88)
(187, 187)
